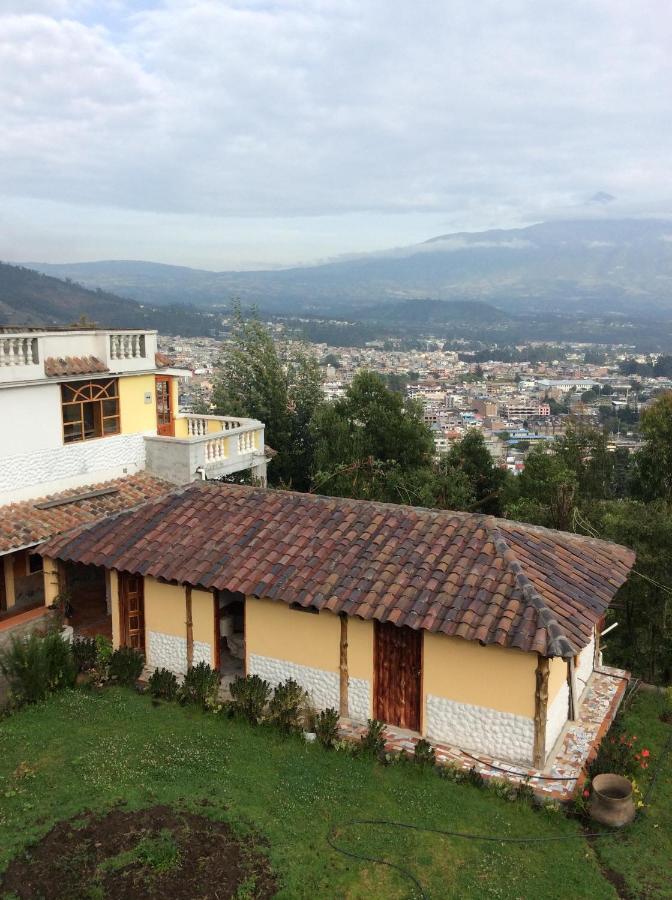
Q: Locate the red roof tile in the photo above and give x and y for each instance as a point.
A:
(478, 577)
(73, 365)
(25, 524)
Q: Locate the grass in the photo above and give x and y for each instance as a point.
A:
(90, 750)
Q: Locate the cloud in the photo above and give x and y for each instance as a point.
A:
(487, 114)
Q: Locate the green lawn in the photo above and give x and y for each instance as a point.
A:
(89, 750)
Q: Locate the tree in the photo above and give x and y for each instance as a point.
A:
(472, 457)
(544, 493)
(252, 381)
(653, 475)
(372, 444)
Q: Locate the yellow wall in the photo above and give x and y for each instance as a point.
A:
(203, 617)
(464, 671)
(557, 676)
(360, 653)
(273, 629)
(8, 575)
(50, 575)
(114, 597)
(166, 612)
(136, 415)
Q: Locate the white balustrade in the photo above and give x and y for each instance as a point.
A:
(246, 442)
(215, 450)
(18, 351)
(127, 346)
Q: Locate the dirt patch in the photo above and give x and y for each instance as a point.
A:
(146, 854)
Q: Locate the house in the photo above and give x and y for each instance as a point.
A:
(477, 632)
(92, 427)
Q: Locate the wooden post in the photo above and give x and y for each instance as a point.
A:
(571, 678)
(540, 712)
(190, 628)
(343, 707)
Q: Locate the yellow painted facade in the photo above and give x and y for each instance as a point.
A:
(557, 676)
(8, 575)
(465, 671)
(50, 575)
(136, 415)
(166, 612)
(360, 653)
(114, 604)
(274, 630)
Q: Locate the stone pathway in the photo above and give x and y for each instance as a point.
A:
(565, 770)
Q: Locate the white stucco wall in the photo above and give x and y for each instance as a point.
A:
(44, 471)
(584, 669)
(167, 651)
(31, 419)
(556, 716)
(323, 687)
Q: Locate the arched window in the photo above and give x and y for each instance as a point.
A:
(90, 409)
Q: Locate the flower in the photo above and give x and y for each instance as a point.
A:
(636, 755)
(586, 793)
(645, 753)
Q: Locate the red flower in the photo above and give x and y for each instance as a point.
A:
(645, 753)
(586, 793)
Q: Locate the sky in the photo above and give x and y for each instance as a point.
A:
(241, 133)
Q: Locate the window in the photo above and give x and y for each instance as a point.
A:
(34, 563)
(90, 409)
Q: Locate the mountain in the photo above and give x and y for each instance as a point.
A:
(28, 297)
(588, 266)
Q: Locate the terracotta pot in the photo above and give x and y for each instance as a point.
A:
(611, 802)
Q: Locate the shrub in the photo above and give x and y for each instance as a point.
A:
(666, 714)
(373, 742)
(85, 653)
(163, 684)
(103, 650)
(36, 666)
(424, 754)
(200, 686)
(250, 696)
(502, 789)
(474, 778)
(619, 753)
(286, 704)
(326, 727)
(126, 665)
(524, 792)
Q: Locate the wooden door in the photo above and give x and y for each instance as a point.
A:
(165, 423)
(132, 611)
(397, 675)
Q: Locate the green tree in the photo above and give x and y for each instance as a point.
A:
(252, 381)
(471, 457)
(544, 493)
(653, 472)
(372, 444)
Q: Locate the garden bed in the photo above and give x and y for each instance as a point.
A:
(145, 854)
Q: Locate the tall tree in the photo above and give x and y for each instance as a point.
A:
(253, 381)
(653, 475)
(471, 457)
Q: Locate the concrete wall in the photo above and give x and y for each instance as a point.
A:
(558, 701)
(166, 628)
(479, 698)
(34, 460)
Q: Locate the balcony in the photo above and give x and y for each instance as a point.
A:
(25, 351)
(207, 447)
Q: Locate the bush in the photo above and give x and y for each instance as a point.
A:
(126, 665)
(286, 704)
(250, 696)
(619, 753)
(373, 742)
(85, 653)
(37, 666)
(326, 727)
(424, 754)
(163, 684)
(103, 650)
(200, 686)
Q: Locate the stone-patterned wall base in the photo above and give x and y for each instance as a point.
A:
(323, 687)
(72, 461)
(166, 651)
(359, 699)
(556, 716)
(478, 728)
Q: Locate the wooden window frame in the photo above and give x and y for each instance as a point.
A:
(34, 558)
(76, 395)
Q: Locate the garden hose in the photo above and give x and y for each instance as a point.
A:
(331, 836)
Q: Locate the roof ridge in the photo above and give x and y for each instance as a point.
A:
(558, 643)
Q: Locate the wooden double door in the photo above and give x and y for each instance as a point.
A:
(132, 611)
(165, 418)
(397, 675)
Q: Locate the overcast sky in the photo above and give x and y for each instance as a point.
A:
(225, 133)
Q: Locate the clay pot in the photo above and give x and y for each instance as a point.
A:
(611, 802)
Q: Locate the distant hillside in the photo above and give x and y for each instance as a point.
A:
(28, 297)
(597, 266)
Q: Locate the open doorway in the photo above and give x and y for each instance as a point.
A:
(89, 604)
(230, 636)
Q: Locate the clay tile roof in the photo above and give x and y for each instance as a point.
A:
(73, 365)
(32, 521)
(474, 576)
(161, 361)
